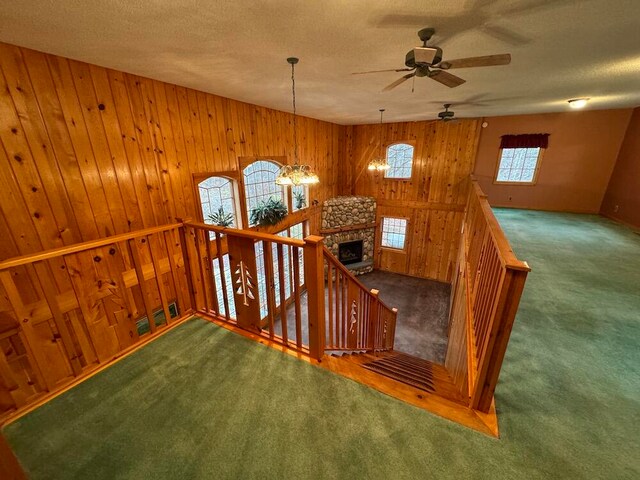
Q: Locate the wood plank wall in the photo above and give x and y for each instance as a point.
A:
(433, 200)
(88, 152)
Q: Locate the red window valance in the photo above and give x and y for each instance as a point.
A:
(530, 140)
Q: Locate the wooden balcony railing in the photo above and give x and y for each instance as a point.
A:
(486, 290)
(66, 312)
(255, 281)
(356, 318)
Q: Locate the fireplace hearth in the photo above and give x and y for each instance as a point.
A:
(350, 252)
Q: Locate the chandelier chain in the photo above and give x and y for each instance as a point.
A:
(295, 130)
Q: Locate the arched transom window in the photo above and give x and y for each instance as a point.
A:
(400, 160)
(260, 184)
(217, 197)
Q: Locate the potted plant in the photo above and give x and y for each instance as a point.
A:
(268, 212)
(221, 218)
(301, 202)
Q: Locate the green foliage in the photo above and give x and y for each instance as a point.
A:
(268, 213)
(221, 218)
(301, 202)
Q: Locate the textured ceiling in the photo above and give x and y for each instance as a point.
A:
(561, 49)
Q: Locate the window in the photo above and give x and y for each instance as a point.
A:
(518, 165)
(394, 231)
(300, 197)
(400, 160)
(215, 193)
(260, 184)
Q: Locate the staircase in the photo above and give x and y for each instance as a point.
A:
(388, 369)
(406, 369)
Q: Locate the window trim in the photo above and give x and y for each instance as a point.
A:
(386, 150)
(524, 184)
(404, 249)
(232, 176)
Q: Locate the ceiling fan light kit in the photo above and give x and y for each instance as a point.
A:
(426, 61)
(446, 115)
(295, 174)
(379, 164)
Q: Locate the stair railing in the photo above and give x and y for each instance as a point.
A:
(356, 317)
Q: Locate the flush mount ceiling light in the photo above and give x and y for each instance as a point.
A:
(380, 163)
(578, 102)
(295, 174)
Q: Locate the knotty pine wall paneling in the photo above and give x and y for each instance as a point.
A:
(87, 152)
(433, 200)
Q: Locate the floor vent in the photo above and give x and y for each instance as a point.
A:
(404, 368)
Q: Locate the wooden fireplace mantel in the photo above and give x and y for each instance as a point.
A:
(348, 228)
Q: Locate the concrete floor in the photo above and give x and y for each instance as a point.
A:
(423, 311)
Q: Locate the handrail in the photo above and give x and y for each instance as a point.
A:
(345, 270)
(487, 288)
(500, 239)
(357, 318)
(79, 247)
(255, 235)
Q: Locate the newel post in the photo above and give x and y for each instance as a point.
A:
(314, 278)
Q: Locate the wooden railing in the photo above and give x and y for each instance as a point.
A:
(486, 293)
(254, 280)
(356, 317)
(66, 312)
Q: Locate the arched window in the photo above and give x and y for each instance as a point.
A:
(217, 197)
(260, 184)
(400, 160)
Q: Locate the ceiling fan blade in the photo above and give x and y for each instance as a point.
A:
(380, 71)
(446, 78)
(486, 61)
(402, 79)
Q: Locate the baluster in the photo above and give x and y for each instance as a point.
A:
(203, 271)
(169, 241)
(296, 291)
(373, 319)
(137, 263)
(330, 306)
(223, 280)
(211, 279)
(283, 295)
(267, 255)
(158, 275)
(187, 266)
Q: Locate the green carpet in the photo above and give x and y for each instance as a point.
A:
(202, 402)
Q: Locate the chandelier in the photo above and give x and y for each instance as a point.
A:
(379, 163)
(295, 174)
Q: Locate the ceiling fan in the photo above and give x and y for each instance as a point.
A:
(427, 61)
(446, 115)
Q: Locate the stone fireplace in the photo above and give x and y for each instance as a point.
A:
(348, 226)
